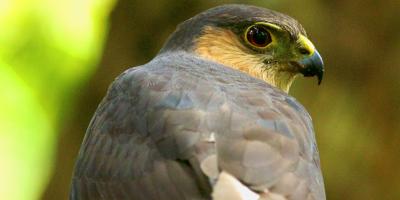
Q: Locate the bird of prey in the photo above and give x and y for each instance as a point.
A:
(209, 117)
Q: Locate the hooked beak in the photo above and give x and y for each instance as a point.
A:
(313, 66)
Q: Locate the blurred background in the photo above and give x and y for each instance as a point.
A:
(58, 57)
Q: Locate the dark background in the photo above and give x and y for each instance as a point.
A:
(356, 111)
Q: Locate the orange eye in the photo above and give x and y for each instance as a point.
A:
(258, 36)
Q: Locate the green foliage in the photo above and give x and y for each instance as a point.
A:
(47, 50)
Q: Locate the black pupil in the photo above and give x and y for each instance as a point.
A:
(258, 36)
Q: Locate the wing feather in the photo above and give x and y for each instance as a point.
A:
(158, 123)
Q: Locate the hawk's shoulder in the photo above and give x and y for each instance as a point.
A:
(159, 122)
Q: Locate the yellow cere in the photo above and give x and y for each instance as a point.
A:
(305, 43)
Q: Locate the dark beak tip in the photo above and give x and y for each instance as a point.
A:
(320, 76)
(319, 80)
(313, 66)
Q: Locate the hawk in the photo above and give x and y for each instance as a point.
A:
(209, 117)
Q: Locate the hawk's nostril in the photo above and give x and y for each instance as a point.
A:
(304, 51)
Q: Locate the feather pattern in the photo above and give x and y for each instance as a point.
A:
(151, 134)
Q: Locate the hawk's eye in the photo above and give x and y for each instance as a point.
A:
(258, 36)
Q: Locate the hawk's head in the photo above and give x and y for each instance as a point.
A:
(261, 42)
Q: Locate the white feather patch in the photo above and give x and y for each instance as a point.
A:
(228, 187)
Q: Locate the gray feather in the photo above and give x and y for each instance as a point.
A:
(147, 138)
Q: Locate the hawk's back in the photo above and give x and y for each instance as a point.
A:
(162, 127)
